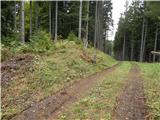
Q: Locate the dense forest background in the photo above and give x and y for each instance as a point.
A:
(138, 32)
(22, 21)
(35, 25)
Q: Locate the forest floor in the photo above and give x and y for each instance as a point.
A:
(50, 107)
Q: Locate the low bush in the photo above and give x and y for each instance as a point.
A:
(73, 37)
(11, 41)
(5, 53)
(22, 48)
(11, 45)
(40, 42)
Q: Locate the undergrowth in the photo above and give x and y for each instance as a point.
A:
(49, 72)
(38, 43)
(151, 75)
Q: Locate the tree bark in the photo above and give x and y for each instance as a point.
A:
(30, 31)
(155, 43)
(22, 23)
(56, 21)
(15, 21)
(132, 50)
(36, 15)
(144, 42)
(101, 26)
(53, 18)
(95, 33)
(124, 40)
(87, 17)
(124, 45)
(98, 39)
(50, 14)
(142, 38)
(80, 20)
(105, 34)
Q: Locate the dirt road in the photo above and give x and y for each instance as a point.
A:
(130, 103)
(50, 107)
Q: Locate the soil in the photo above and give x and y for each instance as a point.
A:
(131, 101)
(15, 66)
(52, 106)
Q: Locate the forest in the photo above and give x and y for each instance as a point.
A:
(22, 21)
(59, 63)
(54, 19)
(140, 18)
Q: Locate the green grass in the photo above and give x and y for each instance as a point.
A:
(151, 75)
(101, 100)
(50, 72)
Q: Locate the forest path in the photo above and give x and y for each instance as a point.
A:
(130, 102)
(55, 104)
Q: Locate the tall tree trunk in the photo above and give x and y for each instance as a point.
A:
(142, 38)
(80, 20)
(101, 25)
(95, 33)
(53, 19)
(132, 49)
(36, 15)
(124, 40)
(144, 43)
(22, 23)
(50, 14)
(87, 17)
(30, 30)
(124, 45)
(98, 40)
(56, 21)
(105, 38)
(15, 21)
(155, 43)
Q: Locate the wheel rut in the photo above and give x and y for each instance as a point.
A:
(131, 101)
(52, 106)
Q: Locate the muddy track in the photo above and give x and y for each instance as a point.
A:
(130, 103)
(50, 107)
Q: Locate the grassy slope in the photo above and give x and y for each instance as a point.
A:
(151, 75)
(101, 100)
(49, 73)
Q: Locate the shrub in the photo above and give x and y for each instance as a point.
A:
(11, 41)
(73, 37)
(40, 42)
(10, 45)
(5, 53)
(8, 52)
(22, 48)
